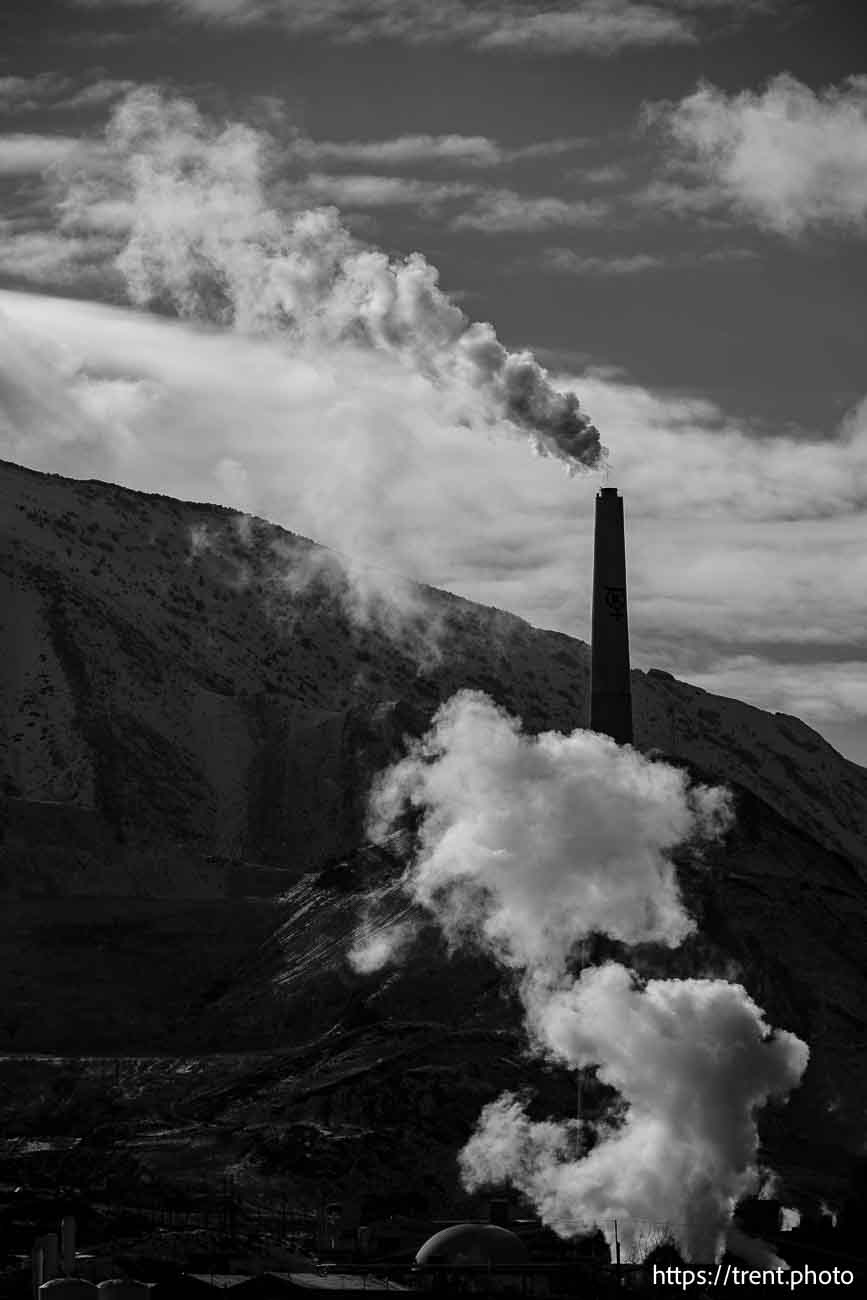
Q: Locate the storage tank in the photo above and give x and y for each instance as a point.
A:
(67, 1288)
(48, 1245)
(468, 1245)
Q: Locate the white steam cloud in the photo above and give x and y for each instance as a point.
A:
(531, 843)
(528, 844)
(206, 238)
(692, 1059)
(372, 598)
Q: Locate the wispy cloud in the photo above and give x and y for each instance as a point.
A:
(23, 153)
(81, 186)
(49, 91)
(834, 691)
(23, 94)
(96, 94)
(63, 227)
(358, 190)
(689, 196)
(788, 158)
(472, 150)
(607, 174)
(565, 261)
(601, 27)
(491, 209)
(598, 27)
(456, 150)
(51, 257)
(499, 211)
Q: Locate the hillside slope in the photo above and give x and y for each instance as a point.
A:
(238, 1037)
(202, 685)
(192, 707)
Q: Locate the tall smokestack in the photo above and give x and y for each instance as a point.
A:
(610, 691)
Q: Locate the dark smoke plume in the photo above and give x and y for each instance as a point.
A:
(210, 237)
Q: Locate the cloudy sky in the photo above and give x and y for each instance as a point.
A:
(664, 202)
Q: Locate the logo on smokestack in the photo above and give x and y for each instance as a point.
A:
(615, 600)
(610, 689)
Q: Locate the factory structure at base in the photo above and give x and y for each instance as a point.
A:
(484, 1257)
(610, 689)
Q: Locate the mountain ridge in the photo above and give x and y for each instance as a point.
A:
(212, 615)
(193, 706)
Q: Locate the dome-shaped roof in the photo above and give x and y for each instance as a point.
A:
(465, 1244)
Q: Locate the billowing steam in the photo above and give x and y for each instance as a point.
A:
(692, 1059)
(534, 843)
(205, 237)
(526, 846)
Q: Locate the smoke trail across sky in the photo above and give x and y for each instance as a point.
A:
(527, 845)
(205, 237)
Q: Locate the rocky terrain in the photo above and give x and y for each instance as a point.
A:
(180, 682)
(193, 705)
